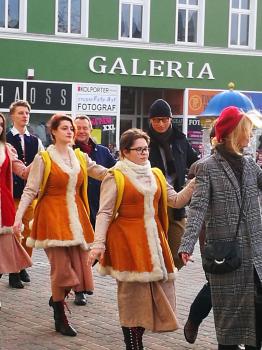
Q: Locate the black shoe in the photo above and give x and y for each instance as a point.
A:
(80, 298)
(15, 281)
(190, 331)
(24, 276)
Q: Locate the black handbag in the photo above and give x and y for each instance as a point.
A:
(221, 256)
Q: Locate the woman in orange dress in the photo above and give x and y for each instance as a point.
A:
(13, 257)
(131, 240)
(61, 221)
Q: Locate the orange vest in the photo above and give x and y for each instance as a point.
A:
(61, 216)
(137, 249)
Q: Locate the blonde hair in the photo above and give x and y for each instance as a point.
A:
(243, 129)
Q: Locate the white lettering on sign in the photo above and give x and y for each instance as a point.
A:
(32, 96)
(63, 97)
(108, 127)
(154, 68)
(48, 96)
(17, 94)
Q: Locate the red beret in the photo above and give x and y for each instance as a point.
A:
(227, 121)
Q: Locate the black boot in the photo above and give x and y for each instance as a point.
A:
(133, 337)
(24, 276)
(61, 322)
(15, 281)
(80, 298)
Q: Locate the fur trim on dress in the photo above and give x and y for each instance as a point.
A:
(74, 220)
(136, 174)
(127, 276)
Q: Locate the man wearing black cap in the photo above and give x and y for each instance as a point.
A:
(171, 152)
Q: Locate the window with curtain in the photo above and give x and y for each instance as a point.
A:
(242, 23)
(12, 14)
(134, 19)
(72, 16)
(190, 22)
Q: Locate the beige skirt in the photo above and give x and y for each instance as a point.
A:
(13, 256)
(69, 268)
(150, 305)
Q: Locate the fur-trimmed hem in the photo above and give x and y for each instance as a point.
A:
(127, 276)
(6, 229)
(51, 243)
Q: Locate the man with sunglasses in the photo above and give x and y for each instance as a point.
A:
(172, 153)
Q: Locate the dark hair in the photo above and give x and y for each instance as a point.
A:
(129, 136)
(19, 103)
(2, 136)
(56, 120)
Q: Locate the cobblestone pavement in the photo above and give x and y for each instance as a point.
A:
(26, 320)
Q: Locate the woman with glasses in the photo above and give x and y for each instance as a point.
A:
(130, 240)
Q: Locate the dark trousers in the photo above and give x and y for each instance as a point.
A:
(201, 306)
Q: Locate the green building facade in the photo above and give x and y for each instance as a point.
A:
(182, 50)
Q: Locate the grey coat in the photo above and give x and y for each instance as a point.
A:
(216, 201)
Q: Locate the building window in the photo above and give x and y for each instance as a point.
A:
(72, 17)
(242, 23)
(13, 15)
(134, 20)
(190, 22)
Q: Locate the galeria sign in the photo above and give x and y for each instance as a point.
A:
(154, 68)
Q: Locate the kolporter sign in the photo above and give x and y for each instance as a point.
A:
(96, 99)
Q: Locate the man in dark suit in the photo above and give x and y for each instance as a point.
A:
(101, 155)
(27, 146)
(172, 153)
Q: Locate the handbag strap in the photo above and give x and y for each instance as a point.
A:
(242, 202)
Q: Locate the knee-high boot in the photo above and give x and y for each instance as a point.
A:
(61, 322)
(133, 337)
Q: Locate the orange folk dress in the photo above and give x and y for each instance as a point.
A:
(61, 222)
(136, 248)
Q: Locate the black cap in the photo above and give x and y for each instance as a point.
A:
(160, 108)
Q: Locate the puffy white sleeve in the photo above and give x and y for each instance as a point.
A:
(32, 187)
(180, 199)
(95, 170)
(108, 197)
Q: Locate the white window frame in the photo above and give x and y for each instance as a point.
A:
(252, 12)
(22, 18)
(200, 8)
(84, 20)
(145, 19)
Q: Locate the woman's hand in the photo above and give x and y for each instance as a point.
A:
(17, 228)
(95, 254)
(185, 257)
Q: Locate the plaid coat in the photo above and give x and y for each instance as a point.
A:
(216, 201)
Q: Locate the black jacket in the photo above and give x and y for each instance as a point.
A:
(184, 155)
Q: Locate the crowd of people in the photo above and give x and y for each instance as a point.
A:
(129, 215)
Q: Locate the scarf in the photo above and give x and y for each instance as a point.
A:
(141, 176)
(163, 140)
(235, 161)
(84, 147)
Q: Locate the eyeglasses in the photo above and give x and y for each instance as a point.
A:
(164, 120)
(140, 150)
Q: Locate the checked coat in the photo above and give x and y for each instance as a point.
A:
(217, 201)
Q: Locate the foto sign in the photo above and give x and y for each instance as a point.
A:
(96, 99)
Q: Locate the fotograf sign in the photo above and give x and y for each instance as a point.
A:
(96, 99)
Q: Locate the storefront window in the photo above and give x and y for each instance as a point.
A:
(72, 16)
(104, 129)
(134, 19)
(190, 21)
(243, 23)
